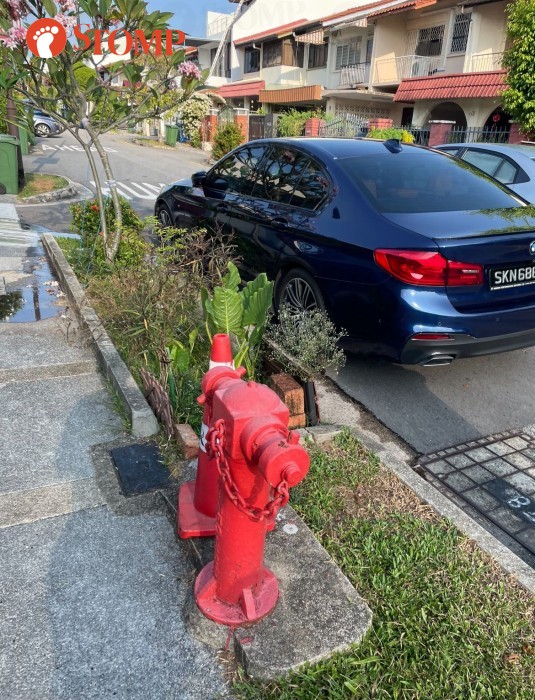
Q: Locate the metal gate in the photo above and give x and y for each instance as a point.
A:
(257, 126)
(347, 125)
(226, 116)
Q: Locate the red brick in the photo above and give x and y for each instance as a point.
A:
(290, 391)
(380, 123)
(299, 421)
(313, 126)
(187, 440)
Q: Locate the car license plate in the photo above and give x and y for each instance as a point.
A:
(514, 276)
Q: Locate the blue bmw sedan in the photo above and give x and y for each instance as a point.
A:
(418, 256)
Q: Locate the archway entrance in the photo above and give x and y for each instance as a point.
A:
(498, 121)
(449, 111)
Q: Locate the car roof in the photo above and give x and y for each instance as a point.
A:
(505, 148)
(334, 148)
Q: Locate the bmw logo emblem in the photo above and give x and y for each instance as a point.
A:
(532, 247)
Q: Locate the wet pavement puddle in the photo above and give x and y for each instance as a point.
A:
(36, 295)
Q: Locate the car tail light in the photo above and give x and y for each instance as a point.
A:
(427, 268)
(431, 336)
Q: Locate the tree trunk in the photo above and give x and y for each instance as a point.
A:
(13, 129)
(113, 237)
(100, 198)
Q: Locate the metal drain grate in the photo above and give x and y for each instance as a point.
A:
(140, 469)
(495, 475)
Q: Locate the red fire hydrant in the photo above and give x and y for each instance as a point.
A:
(197, 500)
(259, 460)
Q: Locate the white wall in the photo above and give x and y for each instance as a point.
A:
(264, 15)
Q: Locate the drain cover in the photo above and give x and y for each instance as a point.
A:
(496, 476)
(140, 469)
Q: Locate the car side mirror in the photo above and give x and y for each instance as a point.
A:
(219, 184)
(197, 179)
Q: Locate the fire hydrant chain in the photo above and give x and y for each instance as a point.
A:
(215, 440)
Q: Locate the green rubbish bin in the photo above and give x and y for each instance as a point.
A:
(9, 165)
(171, 134)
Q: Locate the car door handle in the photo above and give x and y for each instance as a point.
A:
(222, 209)
(280, 221)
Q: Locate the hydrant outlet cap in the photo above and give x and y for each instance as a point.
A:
(292, 474)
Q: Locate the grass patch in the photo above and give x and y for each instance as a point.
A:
(448, 624)
(146, 141)
(39, 184)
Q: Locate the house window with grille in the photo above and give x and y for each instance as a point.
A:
(252, 60)
(461, 29)
(348, 54)
(272, 54)
(430, 41)
(317, 55)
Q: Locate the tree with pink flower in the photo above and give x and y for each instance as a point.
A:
(138, 86)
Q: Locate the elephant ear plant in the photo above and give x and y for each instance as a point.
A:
(241, 313)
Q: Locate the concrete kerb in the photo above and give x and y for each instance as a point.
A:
(142, 418)
(73, 191)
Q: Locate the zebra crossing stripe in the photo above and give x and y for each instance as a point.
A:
(132, 190)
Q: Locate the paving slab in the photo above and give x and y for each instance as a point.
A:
(46, 343)
(50, 425)
(91, 608)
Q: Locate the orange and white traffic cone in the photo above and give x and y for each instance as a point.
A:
(197, 500)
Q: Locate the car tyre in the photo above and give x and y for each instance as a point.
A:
(43, 130)
(299, 291)
(164, 216)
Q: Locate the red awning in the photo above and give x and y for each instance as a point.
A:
(250, 88)
(271, 33)
(414, 5)
(450, 87)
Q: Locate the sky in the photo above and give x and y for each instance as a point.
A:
(190, 15)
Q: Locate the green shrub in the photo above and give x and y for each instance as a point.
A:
(86, 217)
(306, 344)
(401, 134)
(292, 123)
(90, 255)
(226, 139)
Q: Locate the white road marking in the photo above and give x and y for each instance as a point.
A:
(72, 148)
(142, 190)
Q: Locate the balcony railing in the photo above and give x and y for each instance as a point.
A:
(218, 26)
(391, 71)
(355, 75)
(480, 62)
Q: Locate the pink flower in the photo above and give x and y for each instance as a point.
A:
(68, 5)
(189, 70)
(15, 37)
(65, 20)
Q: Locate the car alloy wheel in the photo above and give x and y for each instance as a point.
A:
(164, 217)
(42, 130)
(300, 293)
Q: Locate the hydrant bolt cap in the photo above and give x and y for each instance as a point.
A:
(292, 474)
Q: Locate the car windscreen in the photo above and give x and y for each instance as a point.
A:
(406, 183)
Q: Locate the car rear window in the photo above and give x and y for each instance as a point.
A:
(417, 183)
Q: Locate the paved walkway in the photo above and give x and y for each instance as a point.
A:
(92, 584)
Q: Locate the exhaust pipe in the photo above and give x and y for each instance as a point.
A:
(438, 360)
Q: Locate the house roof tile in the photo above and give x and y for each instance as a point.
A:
(453, 86)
